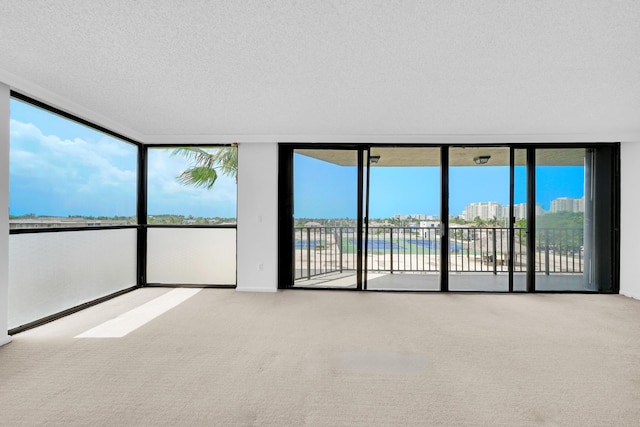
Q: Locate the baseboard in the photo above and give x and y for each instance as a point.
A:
(245, 289)
(634, 295)
(61, 314)
(5, 340)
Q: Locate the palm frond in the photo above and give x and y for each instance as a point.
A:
(227, 160)
(196, 155)
(198, 176)
(206, 164)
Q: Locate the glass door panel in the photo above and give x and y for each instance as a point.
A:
(560, 244)
(478, 232)
(325, 218)
(520, 218)
(403, 240)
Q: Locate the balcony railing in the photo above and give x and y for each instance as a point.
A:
(321, 250)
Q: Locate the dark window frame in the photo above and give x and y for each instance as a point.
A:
(78, 120)
(285, 206)
(146, 148)
(141, 209)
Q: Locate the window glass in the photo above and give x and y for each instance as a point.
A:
(560, 220)
(64, 174)
(192, 185)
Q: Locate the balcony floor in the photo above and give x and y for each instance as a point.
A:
(469, 282)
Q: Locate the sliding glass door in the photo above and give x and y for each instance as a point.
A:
(450, 218)
(479, 226)
(403, 240)
(326, 218)
(574, 219)
(520, 215)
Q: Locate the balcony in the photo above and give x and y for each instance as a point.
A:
(327, 256)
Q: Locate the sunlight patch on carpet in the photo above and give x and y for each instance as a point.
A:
(139, 316)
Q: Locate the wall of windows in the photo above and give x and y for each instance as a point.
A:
(509, 218)
(73, 213)
(68, 176)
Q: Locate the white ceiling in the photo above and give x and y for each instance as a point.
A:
(211, 71)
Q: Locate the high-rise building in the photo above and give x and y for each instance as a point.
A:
(491, 210)
(563, 204)
(484, 210)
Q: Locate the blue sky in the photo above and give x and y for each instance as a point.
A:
(325, 190)
(61, 168)
(167, 196)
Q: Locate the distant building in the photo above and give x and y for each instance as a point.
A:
(520, 210)
(429, 229)
(567, 204)
(312, 224)
(491, 210)
(485, 211)
(429, 224)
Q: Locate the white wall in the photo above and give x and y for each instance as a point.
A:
(192, 256)
(258, 217)
(4, 213)
(629, 219)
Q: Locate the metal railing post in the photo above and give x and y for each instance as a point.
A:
(340, 248)
(323, 248)
(308, 253)
(495, 255)
(391, 247)
(546, 251)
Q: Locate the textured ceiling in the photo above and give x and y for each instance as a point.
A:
(167, 71)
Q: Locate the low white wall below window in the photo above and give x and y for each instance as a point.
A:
(52, 272)
(193, 256)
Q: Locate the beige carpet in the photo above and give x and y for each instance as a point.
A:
(334, 358)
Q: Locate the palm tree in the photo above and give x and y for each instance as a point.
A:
(206, 165)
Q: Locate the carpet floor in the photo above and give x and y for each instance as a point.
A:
(331, 358)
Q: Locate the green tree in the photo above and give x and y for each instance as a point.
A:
(563, 219)
(561, 230)
(207, 164)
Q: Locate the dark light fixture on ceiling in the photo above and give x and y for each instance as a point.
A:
(481, 160)
(374, 159)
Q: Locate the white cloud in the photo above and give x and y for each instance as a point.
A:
(89, 176)
(166, 194)
(78, 172)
